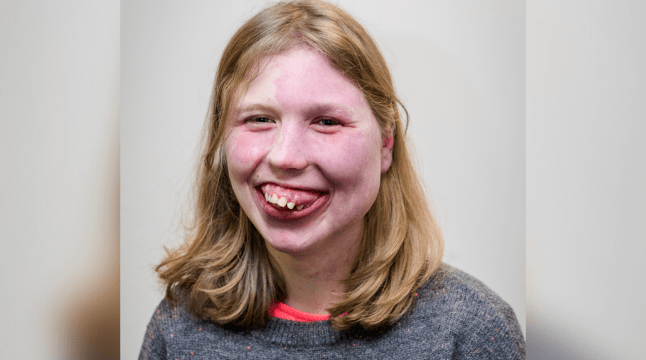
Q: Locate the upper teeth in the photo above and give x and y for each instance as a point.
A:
(282, 201)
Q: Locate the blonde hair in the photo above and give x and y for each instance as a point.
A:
(224, 269)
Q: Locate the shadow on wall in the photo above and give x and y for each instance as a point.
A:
(85, 314)
(88, 314)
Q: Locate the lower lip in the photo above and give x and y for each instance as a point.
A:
(286, 213)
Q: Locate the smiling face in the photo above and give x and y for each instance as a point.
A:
(305, 154)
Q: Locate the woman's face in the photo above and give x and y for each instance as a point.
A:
(305, 154)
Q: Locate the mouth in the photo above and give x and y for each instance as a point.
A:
(289, 203)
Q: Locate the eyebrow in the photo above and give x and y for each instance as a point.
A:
(330, 108)
(312, 110)
(253, 107)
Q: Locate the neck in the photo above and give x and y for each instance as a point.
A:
(313, 280)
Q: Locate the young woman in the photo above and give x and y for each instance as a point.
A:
(312, 235)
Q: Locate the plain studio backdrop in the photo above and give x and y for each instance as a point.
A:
(458, 66)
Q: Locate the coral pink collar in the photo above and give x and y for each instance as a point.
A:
(282, 311)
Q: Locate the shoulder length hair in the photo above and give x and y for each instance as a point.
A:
(224, 270)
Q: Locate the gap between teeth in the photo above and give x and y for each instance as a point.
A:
(281, 202)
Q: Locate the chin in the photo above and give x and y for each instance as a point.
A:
(292, 245)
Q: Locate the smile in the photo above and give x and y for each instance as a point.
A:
(290, 203)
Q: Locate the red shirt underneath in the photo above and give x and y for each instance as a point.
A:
(282, 311)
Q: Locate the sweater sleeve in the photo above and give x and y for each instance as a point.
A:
(154, 345)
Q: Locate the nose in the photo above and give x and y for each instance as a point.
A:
(289, 150)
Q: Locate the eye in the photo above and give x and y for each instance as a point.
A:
(259, 123)
(328, 122)
(260, 120)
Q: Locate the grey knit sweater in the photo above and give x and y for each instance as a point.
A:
(455, 318)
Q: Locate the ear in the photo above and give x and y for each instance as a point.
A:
(387, 149)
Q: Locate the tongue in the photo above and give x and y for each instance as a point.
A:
(299, 197)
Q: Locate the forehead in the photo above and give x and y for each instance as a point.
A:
(300, 76)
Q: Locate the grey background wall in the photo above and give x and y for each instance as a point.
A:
(60, 173)
(586, 170)
(459, 67)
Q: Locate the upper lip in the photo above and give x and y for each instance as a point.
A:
(290, 186)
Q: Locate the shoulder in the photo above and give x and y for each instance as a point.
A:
(471, 315)
(171, 319)
(466, 291)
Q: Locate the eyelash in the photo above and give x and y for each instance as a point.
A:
(258, 118)
(326, 122)
(332, 122)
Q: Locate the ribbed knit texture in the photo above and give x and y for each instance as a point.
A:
(455, 318)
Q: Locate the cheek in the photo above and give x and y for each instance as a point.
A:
(244, 151)
(354, 160)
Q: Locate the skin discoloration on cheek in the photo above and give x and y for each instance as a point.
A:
(244, 148)
(355, 142)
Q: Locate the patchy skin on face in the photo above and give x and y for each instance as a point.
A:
(304, 124)
(292, 92)
(247, 151)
